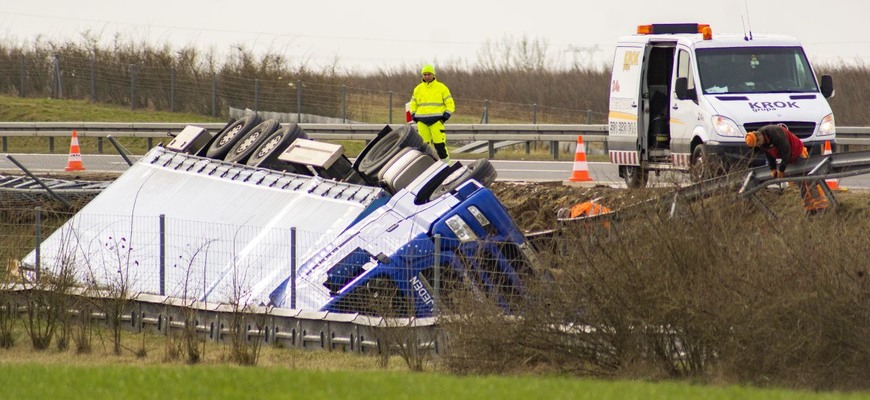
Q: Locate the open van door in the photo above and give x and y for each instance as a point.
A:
(625, 120)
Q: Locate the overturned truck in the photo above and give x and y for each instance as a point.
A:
(257, 214)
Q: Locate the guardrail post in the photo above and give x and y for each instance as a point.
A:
(100, 144)
(490, 145)
(293, 268)
(51, 144)
(344, 103)
(132, 86)
(298, 101)
(172, 73)
(162, 222)
(554, 147)
(528, 147)
(93, 79)
(23, 77)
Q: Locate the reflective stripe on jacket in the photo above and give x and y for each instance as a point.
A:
(431, 99)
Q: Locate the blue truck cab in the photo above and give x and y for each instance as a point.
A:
(408, 256)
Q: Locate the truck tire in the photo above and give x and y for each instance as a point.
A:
(245, 146)
(403, 168)
(228, 138)
(635, 177)
(480, 170)
(378, 152)
(266, 154)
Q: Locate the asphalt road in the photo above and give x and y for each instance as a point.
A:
(530, 171)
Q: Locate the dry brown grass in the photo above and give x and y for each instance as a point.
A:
(720, 293)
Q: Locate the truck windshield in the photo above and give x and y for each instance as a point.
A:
(755, 70)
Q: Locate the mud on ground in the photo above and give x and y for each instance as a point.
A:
(534, 206)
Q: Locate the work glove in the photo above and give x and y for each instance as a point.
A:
(414, 118)
(445, 117)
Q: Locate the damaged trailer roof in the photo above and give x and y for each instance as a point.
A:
(226, 227)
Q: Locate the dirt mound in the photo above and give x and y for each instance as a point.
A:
(533, 206)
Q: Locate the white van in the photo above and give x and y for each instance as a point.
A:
(681, 97)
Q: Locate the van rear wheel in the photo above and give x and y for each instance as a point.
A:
(635, 177)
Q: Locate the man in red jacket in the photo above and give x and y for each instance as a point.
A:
(777, 142)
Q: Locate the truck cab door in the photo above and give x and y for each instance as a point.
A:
(685, 112)
(625, 120)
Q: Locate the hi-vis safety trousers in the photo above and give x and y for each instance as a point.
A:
(435, 136)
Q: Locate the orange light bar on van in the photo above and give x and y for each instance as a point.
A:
(654, 29)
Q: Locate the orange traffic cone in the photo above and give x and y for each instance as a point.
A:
(581, 168)
(74, 162)
(833, 184)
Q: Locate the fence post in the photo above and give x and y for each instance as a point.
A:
(38, 239)
(58, 87)
(23, 76)
(390, 113)
(437, 270)
(344, 103)
(534, 113)
(256, 95)
(213, 95)
(588, 117)
(293, 268)
(162, 231)
(298, 101)
(93, 79)
(172, 89)
(132, 86)
(486, 111)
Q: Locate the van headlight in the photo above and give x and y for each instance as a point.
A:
(461, 229)
(724, 126)
(827, 127)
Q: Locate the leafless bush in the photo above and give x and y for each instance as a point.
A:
(186, 342)
(718, 292)
(83, 329)
(8, 320)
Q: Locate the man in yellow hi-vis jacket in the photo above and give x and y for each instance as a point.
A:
(431, 106)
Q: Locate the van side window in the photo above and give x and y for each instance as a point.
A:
(684, 70)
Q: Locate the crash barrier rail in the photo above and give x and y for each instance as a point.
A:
(820, 168)
(490, 133)
(289, 328)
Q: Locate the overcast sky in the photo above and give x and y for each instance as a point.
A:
(367, 35)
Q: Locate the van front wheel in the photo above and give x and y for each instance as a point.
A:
(704, 164)
(635, 177)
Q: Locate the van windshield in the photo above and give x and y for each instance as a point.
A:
(755, 70)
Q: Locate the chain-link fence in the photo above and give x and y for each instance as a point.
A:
(261, 265)
(149, 82)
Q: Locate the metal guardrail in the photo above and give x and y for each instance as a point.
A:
(284, 327)
(846, 136)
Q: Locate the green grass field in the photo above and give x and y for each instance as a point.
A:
(41, 381)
